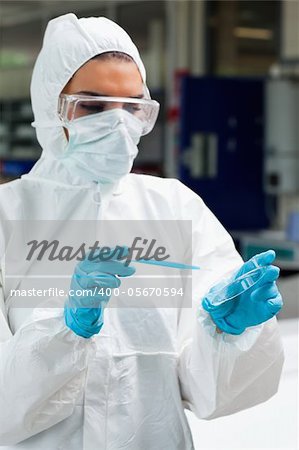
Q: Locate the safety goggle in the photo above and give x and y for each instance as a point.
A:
(72, 107)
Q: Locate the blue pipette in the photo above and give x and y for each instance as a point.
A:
(164, 263)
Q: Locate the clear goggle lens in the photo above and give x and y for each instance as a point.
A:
(72, 107)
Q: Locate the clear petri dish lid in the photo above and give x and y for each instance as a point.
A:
(233, 288)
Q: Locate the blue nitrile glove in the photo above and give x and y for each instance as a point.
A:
(84, 313)
(254, 306)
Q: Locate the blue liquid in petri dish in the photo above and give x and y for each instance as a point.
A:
(232, 289)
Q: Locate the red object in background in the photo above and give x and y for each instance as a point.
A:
(173, 112)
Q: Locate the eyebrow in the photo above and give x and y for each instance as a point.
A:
(99, 94)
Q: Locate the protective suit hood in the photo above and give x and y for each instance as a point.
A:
(68, 43)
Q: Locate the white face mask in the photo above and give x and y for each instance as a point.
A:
(102, 147)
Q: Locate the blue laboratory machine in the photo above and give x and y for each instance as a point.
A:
(221, 144)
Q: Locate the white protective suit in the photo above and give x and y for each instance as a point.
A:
(127, 387)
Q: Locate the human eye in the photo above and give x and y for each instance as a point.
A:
(86, 108)
(132, 108)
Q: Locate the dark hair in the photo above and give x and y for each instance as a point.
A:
(114, 55)
(120, 56)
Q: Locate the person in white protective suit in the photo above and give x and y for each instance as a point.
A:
(125, 384)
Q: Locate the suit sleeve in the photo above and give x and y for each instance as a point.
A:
(42, 372)
(220, 374)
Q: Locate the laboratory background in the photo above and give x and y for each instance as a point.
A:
(226, 74)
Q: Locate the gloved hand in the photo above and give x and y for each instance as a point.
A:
(84, 313)
(254, 306)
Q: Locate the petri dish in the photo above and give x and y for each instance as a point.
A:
(231, 289)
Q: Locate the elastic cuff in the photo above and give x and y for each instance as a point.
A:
(83, 330)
